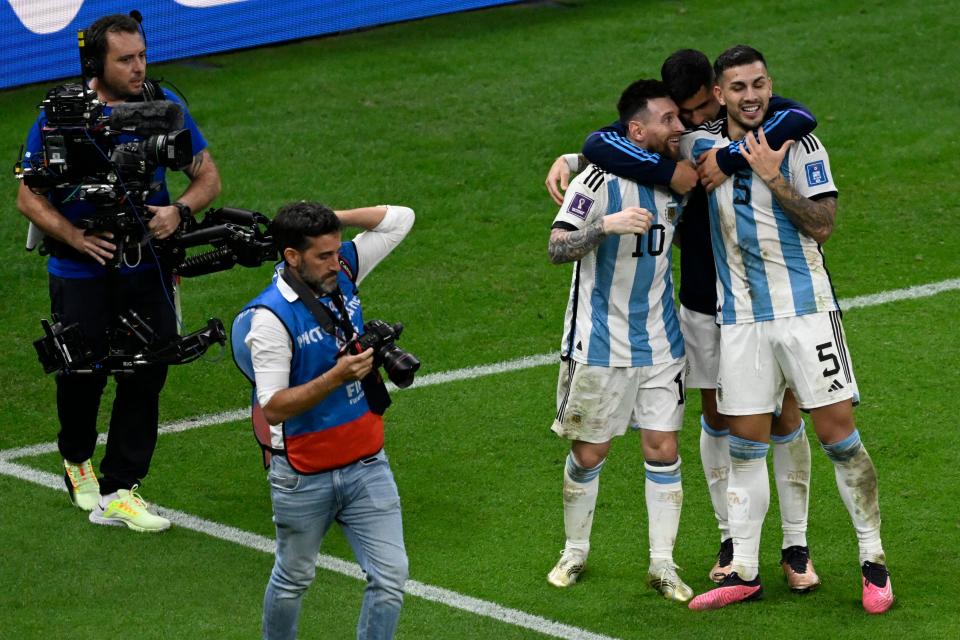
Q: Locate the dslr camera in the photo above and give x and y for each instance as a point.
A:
(400, 365)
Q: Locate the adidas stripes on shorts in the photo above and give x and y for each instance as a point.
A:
(806, 353)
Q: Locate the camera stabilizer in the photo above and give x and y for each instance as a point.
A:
(134, 345)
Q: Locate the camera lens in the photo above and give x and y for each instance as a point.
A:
(399, 365)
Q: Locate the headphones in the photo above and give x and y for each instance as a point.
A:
(92, 43)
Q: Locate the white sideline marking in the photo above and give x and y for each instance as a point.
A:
(350, 569)
(428, 592)
(910, 293)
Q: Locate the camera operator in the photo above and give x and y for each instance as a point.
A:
(328, 463)
(83, 290)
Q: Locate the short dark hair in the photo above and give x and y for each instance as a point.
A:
(96, 35)
(685, 72)
(634, 98)
(297, 222)
(736, 56)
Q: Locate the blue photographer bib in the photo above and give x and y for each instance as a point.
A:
(340, 429)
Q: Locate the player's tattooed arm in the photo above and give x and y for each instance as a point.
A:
(814, 218)
(568, 246)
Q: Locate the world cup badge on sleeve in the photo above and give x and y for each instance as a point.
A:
(580, 205)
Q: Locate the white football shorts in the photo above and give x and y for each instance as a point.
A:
(701, 336)
(806, 353)
(596, 404)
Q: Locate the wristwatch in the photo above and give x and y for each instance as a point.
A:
(185, 211)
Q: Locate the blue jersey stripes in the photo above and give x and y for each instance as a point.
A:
(621, 311)
(766, 268)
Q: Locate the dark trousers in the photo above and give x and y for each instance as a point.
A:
(95, 303)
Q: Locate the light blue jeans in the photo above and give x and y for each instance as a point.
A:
(363, 498)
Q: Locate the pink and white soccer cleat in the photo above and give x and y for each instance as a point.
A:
(877, 588)
(733, 589)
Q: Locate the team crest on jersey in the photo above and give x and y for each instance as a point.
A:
(816, 173)
(580, 205)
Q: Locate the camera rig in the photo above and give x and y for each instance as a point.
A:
(231, 236)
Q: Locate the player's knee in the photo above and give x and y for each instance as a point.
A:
(582, 470)
(845, 449)
(660, 446)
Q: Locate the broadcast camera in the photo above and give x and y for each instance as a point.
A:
(91, 157)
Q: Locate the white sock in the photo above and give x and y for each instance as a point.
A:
(791, 469)
(715, 458)
(857, 482)
(580, 488)
(748, 497)
(107, 499)
(664, 494)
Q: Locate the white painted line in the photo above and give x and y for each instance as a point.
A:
(350, 569)
(910, 293)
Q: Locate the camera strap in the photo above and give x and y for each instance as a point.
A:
(374, 388)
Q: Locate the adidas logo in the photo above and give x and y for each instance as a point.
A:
(835, 386)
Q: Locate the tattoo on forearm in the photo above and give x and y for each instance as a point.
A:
(815, 218)
(194, 169)
(567, 246)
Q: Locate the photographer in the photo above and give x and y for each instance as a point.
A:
(84, 290)
(328, 463)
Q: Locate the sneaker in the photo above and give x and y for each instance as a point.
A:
(130, 510)
(663, 577)
(798, 569)
(723, 566)
(877, 589)
(732, 589)
(568, 569)
(82, 484)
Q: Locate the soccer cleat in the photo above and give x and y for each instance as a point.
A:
(733, 589)
(664, 578)
(130, 510)
(723, 566)
(568, 569)
(877, 589)
(81, 484)
(798, 569)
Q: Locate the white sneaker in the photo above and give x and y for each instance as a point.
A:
(664, 578)
(130, 510)
(82, 485)
(568, 569)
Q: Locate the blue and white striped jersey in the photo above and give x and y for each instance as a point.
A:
(621, 311)
(766, 268)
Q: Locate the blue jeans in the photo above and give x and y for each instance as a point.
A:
(363, 498)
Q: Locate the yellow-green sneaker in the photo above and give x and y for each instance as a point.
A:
(82, 485)
(130, 510)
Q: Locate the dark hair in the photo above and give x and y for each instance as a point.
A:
(685, 72)
(297, 222)
(634, 98)
(736, 56)
(96, 36)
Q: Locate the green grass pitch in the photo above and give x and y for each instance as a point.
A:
(459, 117)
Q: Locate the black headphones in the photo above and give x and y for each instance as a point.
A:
(93, 45)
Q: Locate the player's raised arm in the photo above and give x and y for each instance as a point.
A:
(610, 150)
